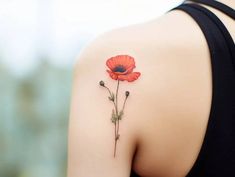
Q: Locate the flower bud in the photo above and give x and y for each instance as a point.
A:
(102, 83)
(127, 93)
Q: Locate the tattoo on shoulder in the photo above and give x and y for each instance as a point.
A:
(120, 69)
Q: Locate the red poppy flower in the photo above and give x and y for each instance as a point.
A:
(121, 68)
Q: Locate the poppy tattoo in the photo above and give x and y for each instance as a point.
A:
(120, 69)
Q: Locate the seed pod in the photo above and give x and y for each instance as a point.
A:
(127, 93)
(102, 83)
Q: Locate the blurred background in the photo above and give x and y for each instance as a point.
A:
(39, 42)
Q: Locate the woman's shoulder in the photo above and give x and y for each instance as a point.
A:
(167, 110)
(161, 48)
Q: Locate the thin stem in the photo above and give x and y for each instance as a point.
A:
(115, 141)
(110, 96)
(124, 104)
(108, 90)
(117, 97)
(117, 106)
(116, 127)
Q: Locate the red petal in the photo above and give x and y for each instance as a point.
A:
(124, 60)
(111, 63)
(129, 77)
(112, 75)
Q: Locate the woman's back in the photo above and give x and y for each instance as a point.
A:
(190, 101)
(166, 117)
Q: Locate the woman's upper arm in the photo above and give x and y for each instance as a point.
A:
(100, 143)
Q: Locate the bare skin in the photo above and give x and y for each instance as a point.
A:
(167, 112)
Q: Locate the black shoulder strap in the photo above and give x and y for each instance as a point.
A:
(210, 23)
(216, 156)
(218, 5)
(221, 26)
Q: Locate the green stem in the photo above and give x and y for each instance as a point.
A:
(110, 95)
(116, 127)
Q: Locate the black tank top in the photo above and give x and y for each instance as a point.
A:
(217, 154)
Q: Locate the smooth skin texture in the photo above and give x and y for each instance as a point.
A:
(167, 111)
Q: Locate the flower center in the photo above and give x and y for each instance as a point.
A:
(119, 68)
